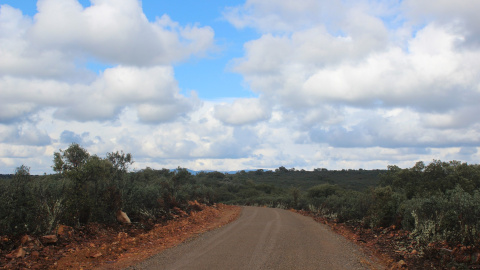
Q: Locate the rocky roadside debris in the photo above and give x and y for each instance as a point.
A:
(110, 247)
(35, 252)
(399, 250)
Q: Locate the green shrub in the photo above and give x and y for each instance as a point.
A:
(451, 217)
(344, 206)
(384, 207)
(18, 214)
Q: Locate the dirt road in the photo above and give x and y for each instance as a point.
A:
(264, 238)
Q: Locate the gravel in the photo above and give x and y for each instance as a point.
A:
(265, 238)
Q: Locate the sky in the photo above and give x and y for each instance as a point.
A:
(233, 85)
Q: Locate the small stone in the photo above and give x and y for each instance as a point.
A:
(122, 217)
(35, 254)
(414, 252)
(49, 239)
(401, 264)
(96, 255)
(64, 231)
(25, 239)
(18, 253)
(35, 244)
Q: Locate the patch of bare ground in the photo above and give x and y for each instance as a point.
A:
(111, 247)
(398, 250)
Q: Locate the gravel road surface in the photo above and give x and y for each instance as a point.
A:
(264, 238)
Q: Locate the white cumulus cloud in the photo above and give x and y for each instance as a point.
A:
(340, 84)
(242, 111)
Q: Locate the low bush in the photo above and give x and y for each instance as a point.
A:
(451, 217)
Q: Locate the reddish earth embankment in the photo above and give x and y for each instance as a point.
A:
(399, 250)
(101, 247)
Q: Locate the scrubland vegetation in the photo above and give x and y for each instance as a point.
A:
(436, 202)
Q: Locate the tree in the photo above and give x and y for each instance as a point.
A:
(98, 184)
(120, 160)
(16, 214)
(182, 176)
(419, 166)
(71, 159)
(281, 169)
(22, 173)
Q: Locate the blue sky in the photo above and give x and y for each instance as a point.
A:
(191, 74)
(231, 85)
